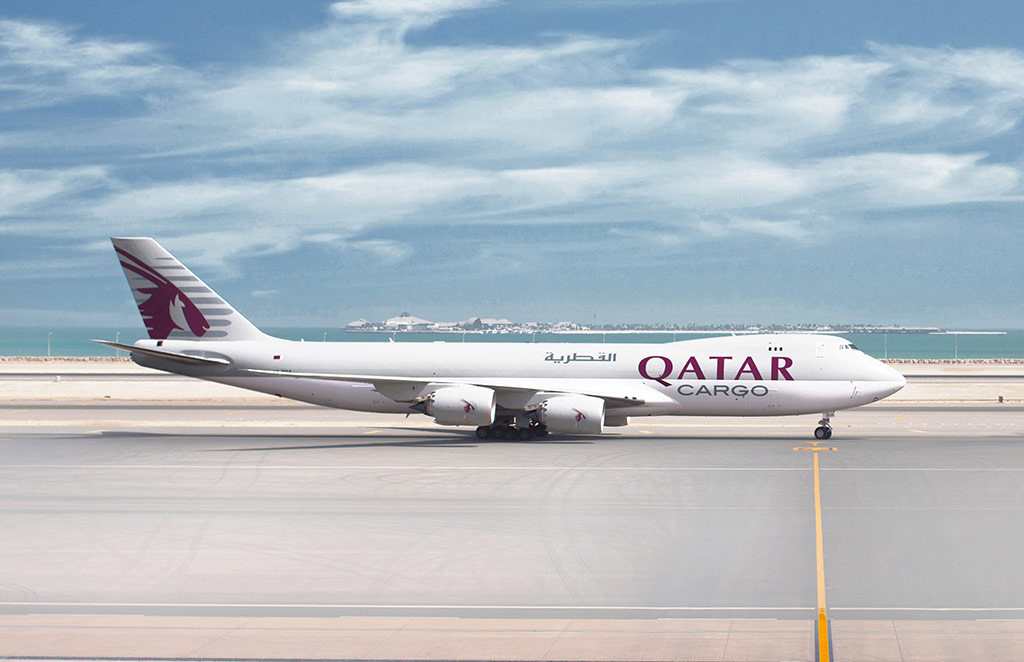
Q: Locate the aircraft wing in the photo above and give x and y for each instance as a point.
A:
(613, 395)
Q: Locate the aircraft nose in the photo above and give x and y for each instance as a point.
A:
(898, 380)
(884, 380)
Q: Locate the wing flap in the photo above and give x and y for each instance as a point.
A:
(614, 396)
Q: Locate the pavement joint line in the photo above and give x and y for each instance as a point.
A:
(385, 606)
(923, 469)
(927, 609)
(305, 467)
(526, 508)
(928, 508)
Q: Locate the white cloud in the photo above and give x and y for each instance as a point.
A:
(221, 248)
(771, 103)
(386, 249)
(402, 10)
(22, 191)
(907, 180)
(351, 128)
(998, 68)
(52, 266)
(43, 64)
(42, 318)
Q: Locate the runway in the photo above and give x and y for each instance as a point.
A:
(292, 532)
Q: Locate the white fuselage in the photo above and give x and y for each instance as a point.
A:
(750, 375)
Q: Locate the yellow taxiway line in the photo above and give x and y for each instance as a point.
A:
(823, 652)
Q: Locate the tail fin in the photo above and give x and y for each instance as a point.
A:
(173, 302)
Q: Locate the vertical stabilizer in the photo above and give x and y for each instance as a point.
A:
(173, 302)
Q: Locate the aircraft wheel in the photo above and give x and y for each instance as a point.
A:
(828, 433)
(822, 432)
(540, 431)
(509, 434)
(525, 434)
(483, 432)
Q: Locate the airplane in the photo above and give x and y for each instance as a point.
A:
(511, 391)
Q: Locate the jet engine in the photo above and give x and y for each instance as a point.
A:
(461, 405)
(580, 414)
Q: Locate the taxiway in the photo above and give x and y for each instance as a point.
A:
(262, 530)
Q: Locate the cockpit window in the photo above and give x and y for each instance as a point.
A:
(848, 346)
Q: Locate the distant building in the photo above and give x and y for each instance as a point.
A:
(406, 322)
(358, 324)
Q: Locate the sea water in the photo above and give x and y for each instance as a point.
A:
(75, 341)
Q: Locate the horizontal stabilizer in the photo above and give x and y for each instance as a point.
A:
(164, 354)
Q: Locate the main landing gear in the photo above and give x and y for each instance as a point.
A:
(824, 429)
(510, 432)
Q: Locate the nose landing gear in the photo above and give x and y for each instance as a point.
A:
(824, 429)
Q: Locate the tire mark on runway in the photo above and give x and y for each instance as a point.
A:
(568, 508)
(546, 535)
(196, 540)
(154, 533)
(23, 592)
(195, 543)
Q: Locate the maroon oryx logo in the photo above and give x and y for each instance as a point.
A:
(469, 406)
(579, 415)
(167, 307)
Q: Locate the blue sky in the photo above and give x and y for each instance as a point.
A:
(744, 161)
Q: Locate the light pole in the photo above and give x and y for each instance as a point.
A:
(117, 339)
(48, 336)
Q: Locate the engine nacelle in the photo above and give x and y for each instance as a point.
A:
(461, 405)
(579, 414)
